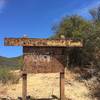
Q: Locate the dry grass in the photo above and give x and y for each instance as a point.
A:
(45, 85)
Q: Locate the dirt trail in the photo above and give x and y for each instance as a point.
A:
(45, 85)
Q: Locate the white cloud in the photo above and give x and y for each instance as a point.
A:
(2, 4)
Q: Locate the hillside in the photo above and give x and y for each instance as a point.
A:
(15, 62)
(46, 85)
(78, 83)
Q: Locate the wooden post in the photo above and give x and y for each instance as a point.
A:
(62, 86)
(24, 86)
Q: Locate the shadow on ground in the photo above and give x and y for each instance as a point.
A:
(43, 99)
(53, 97)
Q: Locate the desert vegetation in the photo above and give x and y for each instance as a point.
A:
(87, 57)
(84, 63)
(7, 68)
(6, 76)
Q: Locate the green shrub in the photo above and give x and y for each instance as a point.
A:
(7, 77)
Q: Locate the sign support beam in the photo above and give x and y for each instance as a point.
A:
(62, 86)
(24, 86)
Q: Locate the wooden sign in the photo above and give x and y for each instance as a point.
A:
(43, 55)
(42, 42)
(43, 60)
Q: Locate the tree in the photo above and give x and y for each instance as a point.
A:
(72, 27)
(77, 27)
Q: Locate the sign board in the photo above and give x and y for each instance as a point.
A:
(43, 60)
(43, 55)
(42, 42)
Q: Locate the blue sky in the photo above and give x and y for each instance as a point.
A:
(35, 18)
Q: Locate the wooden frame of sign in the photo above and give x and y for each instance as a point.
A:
(43, 56)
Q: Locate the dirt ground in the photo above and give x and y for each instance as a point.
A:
(45, 85)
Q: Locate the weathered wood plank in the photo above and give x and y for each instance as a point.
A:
(42, 42)
(43, 60)
(62, 86)
(24, 86)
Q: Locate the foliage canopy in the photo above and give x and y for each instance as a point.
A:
(87, 30)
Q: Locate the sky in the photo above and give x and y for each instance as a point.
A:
(35, 18)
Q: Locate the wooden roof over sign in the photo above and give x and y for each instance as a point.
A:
(42, 42)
